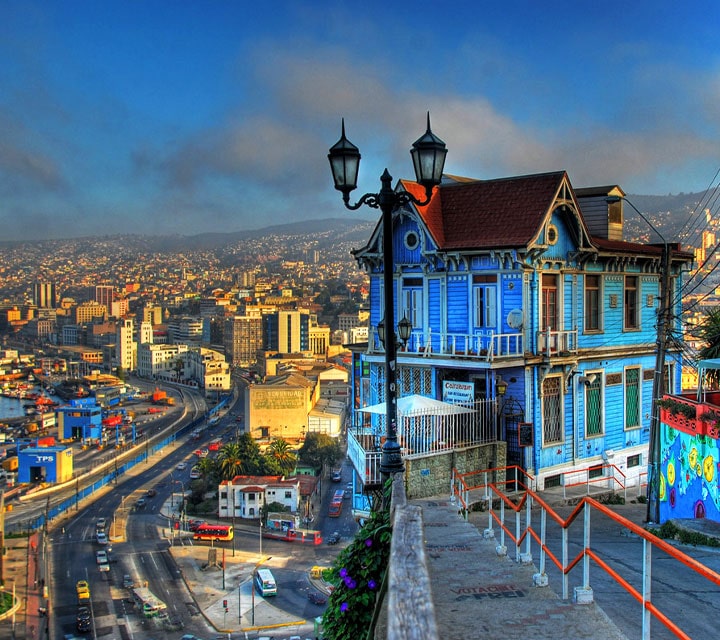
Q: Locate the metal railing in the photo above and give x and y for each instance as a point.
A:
(552, 343)
(514, 519)
(483, 345)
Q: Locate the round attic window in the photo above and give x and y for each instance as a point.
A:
(412, 240)
(552, 234)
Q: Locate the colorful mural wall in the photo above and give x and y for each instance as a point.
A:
(690, 466)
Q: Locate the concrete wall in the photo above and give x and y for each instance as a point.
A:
(431, 475)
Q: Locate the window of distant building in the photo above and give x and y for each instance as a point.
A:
(594, 408)
(549, 302)
(632, 397)
(484, 301)
(552, 410)
(592, 303)
(631, 309)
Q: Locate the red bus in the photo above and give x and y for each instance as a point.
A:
(214, 532)
(294, 535)
(336, 504)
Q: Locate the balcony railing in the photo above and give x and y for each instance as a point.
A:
(553, 343)
(423, 433)
(687, 414)
(483, 345)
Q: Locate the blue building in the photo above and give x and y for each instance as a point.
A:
(80, 420)
(532, 317)
(45, 464)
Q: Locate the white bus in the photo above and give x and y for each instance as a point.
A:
(265, 582)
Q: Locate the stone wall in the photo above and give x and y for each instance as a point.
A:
(431, 475)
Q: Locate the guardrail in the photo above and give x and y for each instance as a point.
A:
(514, 519)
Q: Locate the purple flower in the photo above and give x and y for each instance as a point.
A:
(368, 542)
(372, 584)
(344, 607)
(349, 582)
(343, 572)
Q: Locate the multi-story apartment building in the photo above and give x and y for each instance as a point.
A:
(89, 312)
(185, 330)
(152, 314)
(208, 368)
(161, 361)
(44, 295)
(243, 338)
(105, 294)
(145, 333)
(531, 317)
(286, 331)
(125, 345)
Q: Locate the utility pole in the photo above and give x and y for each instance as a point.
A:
(653, 510)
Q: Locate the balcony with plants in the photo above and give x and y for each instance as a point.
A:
(685, 413)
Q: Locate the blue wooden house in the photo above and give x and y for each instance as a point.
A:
(529, 310)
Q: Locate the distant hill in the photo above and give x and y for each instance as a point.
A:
(669, 213)
(346, 228)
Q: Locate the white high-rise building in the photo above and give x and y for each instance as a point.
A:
(125, 346)
(146, 333)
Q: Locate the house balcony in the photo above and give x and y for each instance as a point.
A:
(554, 343)
(486, 346)
(685, 413)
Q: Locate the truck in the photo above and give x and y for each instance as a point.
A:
(147, 602)
(161, 397)
(10, 464)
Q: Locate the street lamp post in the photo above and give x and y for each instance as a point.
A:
(428, 154)
(653, 504)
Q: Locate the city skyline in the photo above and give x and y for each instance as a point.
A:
(165, 118)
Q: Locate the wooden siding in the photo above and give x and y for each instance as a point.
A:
(457, 304)
(435, 306)
(510, 298)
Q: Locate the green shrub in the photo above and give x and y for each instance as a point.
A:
(358, 573)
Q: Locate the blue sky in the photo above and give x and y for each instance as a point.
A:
(189, 117)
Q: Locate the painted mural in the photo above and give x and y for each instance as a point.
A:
(690, 466)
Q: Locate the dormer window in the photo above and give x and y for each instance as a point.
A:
(412, 240)
(552, 234)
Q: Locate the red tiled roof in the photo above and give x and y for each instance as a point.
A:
(507, 212)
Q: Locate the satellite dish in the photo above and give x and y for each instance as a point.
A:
(515, 319)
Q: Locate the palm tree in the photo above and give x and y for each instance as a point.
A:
(231, 462)
(279, 451)
(206, 466)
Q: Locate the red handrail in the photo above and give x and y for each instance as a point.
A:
(493, 490)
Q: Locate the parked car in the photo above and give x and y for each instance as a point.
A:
(83, 613)
(337, 476)
(82, 625)
(100, 524)
(316, 598)
(101, 537)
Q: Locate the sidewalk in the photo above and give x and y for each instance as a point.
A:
(479, 594)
